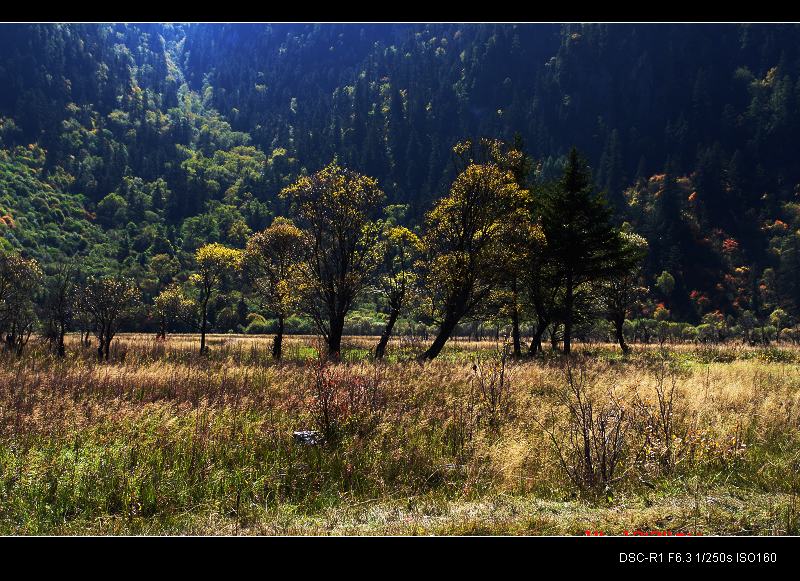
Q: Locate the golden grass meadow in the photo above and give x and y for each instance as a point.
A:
(160, 440)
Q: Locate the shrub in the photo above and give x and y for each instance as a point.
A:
(591, 441)
(258, 325)
(345, 398)
(299, 326)
(492, 381)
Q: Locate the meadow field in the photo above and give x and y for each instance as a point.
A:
(160, 440)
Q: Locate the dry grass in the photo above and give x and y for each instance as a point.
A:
(161, 440)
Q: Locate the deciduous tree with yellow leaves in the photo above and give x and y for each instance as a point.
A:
(173, 305)
(465, 242)
(336, 209)
(620, 292)
(272, 263)
(397, 277)
(106, 300)
(215, 265)
(20, 278)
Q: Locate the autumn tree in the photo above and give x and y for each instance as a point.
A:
(747, 323)
(665, 283)
(778, 319)
(336, 209)
(584, 245)
(83, 321)
(60, 304)
(464, 244)
(20, 279)
(397, 277)
(511, 157)
(271, 262)
(172, 306)
(786, 247)
(622, 290)
(106, 300)
(215, 264)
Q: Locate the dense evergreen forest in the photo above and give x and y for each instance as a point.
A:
(127, 149)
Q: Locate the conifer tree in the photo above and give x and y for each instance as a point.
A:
(584, 245)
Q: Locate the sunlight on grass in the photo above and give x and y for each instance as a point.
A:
(162, 440)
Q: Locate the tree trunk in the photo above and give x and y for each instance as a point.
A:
(536, 342)
(203, 327)
(380, 350)
(619, 324)
(445, 331)
(278, 342)
(515, 335)
(108, 345)
(335, 337)
(515, 338)
(568, 304)
(100, 345)
(554, 337)
(61, 349)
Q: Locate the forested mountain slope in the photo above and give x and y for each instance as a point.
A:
(135, 144)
